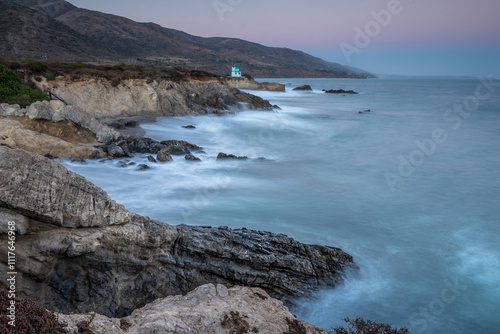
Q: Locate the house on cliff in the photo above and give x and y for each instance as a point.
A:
(235, 72)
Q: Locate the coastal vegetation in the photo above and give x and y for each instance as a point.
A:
(13, 91)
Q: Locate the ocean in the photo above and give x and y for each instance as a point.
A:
(411, 189)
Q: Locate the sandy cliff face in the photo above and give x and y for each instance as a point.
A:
(137, 97)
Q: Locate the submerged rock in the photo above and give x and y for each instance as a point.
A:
(189, 127)
(190, 157)
(84, 247)
(224, 156)
(142, 167)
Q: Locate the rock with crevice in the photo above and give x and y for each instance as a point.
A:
(82, 248)
(209, 309)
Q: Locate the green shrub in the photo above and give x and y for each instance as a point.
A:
(36, 66)
(49, 76)
(12, 90)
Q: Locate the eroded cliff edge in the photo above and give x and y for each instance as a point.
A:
(76, 246)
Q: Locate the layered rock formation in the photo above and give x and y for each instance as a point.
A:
(75, 247)
(209, 309)
(139, 97)
(247, 83)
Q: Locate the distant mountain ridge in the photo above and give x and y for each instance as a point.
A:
(57, 30)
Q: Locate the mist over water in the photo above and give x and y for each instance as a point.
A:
(424, 233)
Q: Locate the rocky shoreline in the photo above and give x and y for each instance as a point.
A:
(77, 248)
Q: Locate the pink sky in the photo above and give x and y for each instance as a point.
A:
(463, 29)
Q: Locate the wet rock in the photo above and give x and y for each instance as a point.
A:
(78, 160)
(95, 155)
(182, 143)
(189, 127)
(304, 87)
(224, 156)
(151, 158)
(115, 151)
(164, 155)
(190, 157)
(121, 164)
(339, 91)
(142, 167)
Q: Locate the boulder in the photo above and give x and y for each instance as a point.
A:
(151, 158)
(115, 151)
(190, 157)
(304, 87)
(164, 155)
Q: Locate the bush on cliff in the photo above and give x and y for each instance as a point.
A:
(12, 90)
(362, 326)
(30, 318)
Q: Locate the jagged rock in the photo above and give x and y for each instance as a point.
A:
(224, 156)
(51, 194)
(305, 87)
(209, 309)
(164, 155)
(14, 133)
(339, 91)
(182, 143)
(177, 149)
(151, 158)
(190, 157)
(84, 247)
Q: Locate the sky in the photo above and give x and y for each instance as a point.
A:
(401, 37)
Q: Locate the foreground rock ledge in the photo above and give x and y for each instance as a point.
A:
(209, 309)
(75, 246)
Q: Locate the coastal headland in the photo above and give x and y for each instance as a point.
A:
(78, 251)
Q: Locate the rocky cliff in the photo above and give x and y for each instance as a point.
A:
(75, 247)
(133, 97)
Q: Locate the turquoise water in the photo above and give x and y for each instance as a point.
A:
(410, 189)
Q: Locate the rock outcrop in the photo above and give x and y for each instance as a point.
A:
(251, 84)
(209, 309)
(79, 247)
(340, 91)
(139, 97)
(305, 88)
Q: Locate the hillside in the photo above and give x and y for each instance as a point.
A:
(57, 30)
